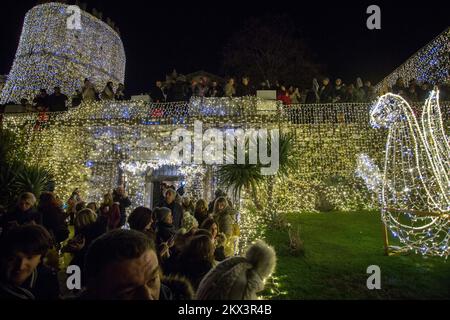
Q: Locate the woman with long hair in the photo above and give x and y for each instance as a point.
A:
(201, 211)
(53, 217)
(141, 219)
(211, 226)
(196, 259)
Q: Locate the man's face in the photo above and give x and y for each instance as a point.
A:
(134, 279)
(245, 81)
(338, 82)
(170, 197)
(21, 266)
(158, 84)
(120, 191)
(24, 205)
(325, 82)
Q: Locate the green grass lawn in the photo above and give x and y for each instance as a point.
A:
(338, 249)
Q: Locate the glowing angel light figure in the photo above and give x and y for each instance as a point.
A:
(414, 188)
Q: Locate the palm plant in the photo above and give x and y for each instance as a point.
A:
(239, 176)
(15, 176)
(34, 179)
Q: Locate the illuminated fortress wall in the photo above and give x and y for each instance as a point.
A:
(49, 54)
(429, 64)
(327, 142)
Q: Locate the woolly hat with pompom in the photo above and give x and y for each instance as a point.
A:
(239, 278)
(189, 222)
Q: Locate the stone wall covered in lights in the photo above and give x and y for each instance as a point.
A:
(49, 54)
(86, 147)
(430, 64)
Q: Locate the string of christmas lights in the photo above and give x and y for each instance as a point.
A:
(415, 189)
(430, 64)
(87, 146)
(49, 54)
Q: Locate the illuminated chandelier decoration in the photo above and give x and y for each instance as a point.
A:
(414, 188)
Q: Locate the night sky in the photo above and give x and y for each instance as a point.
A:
(190, 35)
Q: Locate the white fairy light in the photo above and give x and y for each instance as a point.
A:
(51, 55)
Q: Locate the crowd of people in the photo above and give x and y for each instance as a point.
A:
(176, 88)
(179, 250)
(416, 91)
(58, 102)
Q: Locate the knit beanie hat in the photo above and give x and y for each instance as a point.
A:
(189, 222)
(239, 278)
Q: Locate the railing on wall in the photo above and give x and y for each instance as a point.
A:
(219, 110)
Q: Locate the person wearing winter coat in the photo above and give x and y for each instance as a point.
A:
(164, 229)
(360, 95)
(224, 216)
(201, 211)
(215, 90)
(121, 197)
(283, 95)
(295, 96)
(217, 194)
(196, 259)
(22, 273)
(176, 208)
(88, 91)
(239, 278)
(245, 88)
(22, 213)
(176, 288)
(187, 205)
(178, 91)
(326, 91)
(230, 90)
(113, 217)
(158, 93)
(219, 252)
(87, 229)
(123, 265)
(313, 94)
(141, 219)
(53, 217)
(120, 92)
(338, 91)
